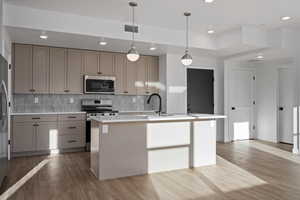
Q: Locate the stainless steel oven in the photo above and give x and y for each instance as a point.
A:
(99, 84)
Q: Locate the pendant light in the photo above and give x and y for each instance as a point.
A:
(132, 54)
(186, 59)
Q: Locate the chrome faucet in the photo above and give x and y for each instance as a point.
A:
(159, 97)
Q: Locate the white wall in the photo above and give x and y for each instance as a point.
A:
(174, 77)
(267, 99)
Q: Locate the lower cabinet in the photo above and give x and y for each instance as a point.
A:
(23, 137)
(46, 136)
(35, 134)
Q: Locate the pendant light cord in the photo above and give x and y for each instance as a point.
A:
(187, 33)
(133, 26)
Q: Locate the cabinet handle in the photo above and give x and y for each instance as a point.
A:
(36, 125)
(147, 92)
(125, 92)
(66, 90)
(72, 141)
(32, 90)
(99, 72)
(72, 117)
(36, 118)
(72, 127)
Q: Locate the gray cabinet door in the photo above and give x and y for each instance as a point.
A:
(153, 75)
(91, 64)
(40, 69)
(58, 70)
(142, 76)
(75, 71)
(106, 63)
(22, 68)
(23, 137)
(120, 63)
(131, 76)
(46, 136)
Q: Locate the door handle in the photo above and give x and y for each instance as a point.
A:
(233, 108)
(281, 108)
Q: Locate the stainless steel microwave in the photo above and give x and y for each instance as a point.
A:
(99, 84)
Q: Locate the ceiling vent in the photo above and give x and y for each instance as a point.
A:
(131, 28)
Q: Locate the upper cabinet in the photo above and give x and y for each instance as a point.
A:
(152, 75)
(130, 78)
(31, 69)
(58, 70)
(41, 70)
(22, 68)
(142, 76)
(106, 64)
(66, 67)
(75, 71)
(119, 63)
(91, 63)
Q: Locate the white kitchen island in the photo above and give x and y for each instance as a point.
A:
(124, 146)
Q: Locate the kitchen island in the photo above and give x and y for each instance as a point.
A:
(124, 146)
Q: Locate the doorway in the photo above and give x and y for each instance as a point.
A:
(285, 105)
(200, 91)
(241, 103)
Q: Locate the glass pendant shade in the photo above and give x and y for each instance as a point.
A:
(186, 59)
(132, 54)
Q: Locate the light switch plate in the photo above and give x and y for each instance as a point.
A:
(71, 100)
(104, 129)
(36, 100)
(134, 100)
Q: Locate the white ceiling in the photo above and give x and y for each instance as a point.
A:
(220, 15)
(58, 39)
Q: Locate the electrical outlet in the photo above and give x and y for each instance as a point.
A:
(71, 100)
(36, 100)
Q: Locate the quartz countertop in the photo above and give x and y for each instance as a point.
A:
(47, 113)
(154, 118)
(136, 111)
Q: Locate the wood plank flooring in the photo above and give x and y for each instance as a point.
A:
(243, 172)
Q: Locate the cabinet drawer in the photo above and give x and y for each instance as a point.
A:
(168, 159)
(34, 118)
(71, 127)
(71, 117)
(168, 134)
(71, 141)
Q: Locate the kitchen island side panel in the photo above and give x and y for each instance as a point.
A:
(122, 150)
(204, 143)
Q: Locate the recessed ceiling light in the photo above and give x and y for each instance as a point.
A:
(209, 1)
(102, 43)
(152, 47)
(211, 31)
(260, 57)
(285, 18)
(44, 36)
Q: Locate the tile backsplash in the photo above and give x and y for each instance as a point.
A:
(71, 103)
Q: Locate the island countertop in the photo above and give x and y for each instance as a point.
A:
(157, 118)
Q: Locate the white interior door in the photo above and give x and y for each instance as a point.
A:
(285, 105)
(241, 102)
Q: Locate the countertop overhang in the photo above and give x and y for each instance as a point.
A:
(157, 118)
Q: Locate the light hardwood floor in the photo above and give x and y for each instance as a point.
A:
(245, 170)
